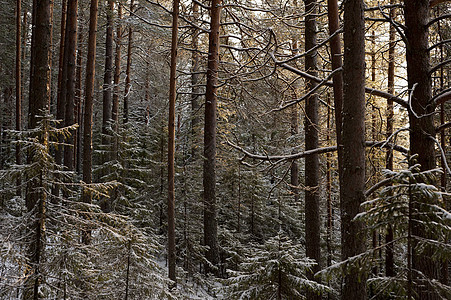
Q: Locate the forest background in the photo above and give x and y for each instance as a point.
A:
(224, 149)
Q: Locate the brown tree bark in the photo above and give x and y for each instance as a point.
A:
(209, 171)
(79, 98)
(18, 85)
(117, 76)
(127, 70)
(61, 85)
(89, 97)
(312, 177)
(171, 144)
(117, 69)
(71, 49)
(416, 15)
(352, 183)
(39, 102)
(335, 51)
(195, 90)
(108, 75)
(389, 254)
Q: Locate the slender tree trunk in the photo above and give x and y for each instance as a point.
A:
(79, 105)
(335, 51)
(61, 93)
(117, 70)
(416, 15)
(127, 70)
(294, 130)
(445, 265)
(294, 168)
(18, 86)
(209, 172)
(171, 144)
(71, 49)
(89, 97)
(195, 90)
(389, 254)
(108, 75)
(312, 220)
(352, 184)
(32, 54)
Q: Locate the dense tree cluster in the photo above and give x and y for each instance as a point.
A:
(225, 149)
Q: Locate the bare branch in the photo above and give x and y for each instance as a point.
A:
(281, 158)
(433, 3)
(439, 18)
(443, 97)
(368, 90)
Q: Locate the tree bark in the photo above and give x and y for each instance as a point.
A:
(61, 92)
(171, 144)
(39, 102)
(389, 254)
(18, 86)
(108, 75)
(127, 70)
(335, 51)
(312, 218)
(352, 183)
(117, 69)
(71, 49)
(209, 170)
(89, 95)
(195, 90)
(79, 106)
(416, 15)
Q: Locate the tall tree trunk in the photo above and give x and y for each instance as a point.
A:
(335, 52)
(294, 168)
(312, 219)
(71, 49)
(127, 70)
(89, 95)
(444, 276)
(171, 144)
(352, 183)
(79, 105)
(108, 75)
(294, 130)
(195, 90)
(416, 15)
(39, 102)
(209, 172)
(117, 73)
(18, 86)
(61, 85)
(389, 254)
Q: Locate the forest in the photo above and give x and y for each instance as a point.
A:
(225, 149)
